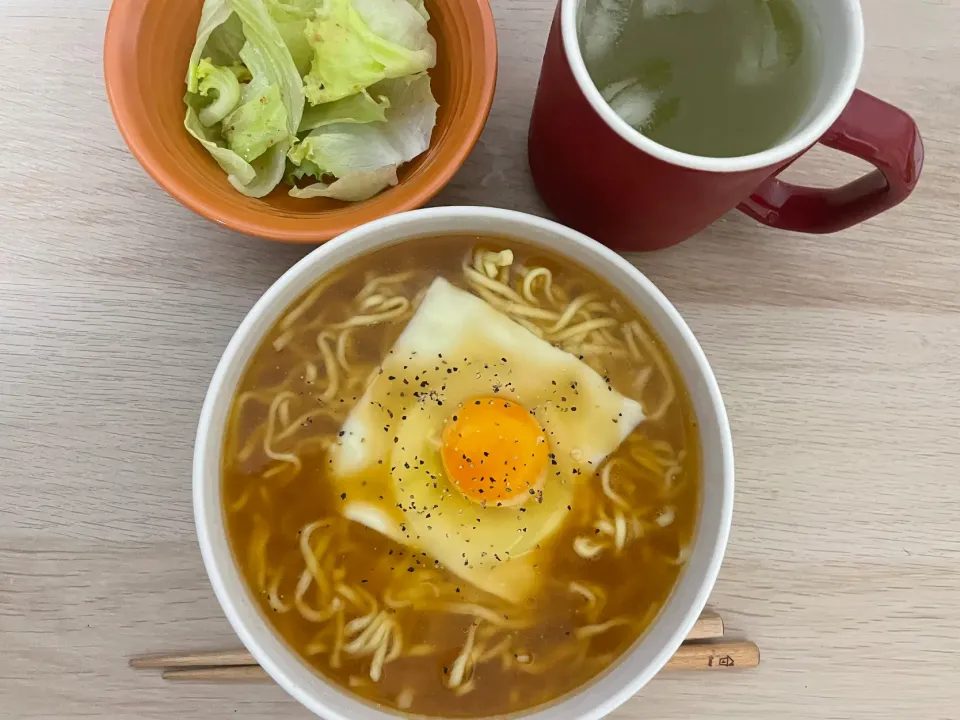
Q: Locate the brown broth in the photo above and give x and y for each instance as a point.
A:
(637, 583)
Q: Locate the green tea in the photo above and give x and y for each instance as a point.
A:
(716, 78)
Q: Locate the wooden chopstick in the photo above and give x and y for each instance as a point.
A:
(216, 658)
(708, 626)
(246, 673)
(728, 655)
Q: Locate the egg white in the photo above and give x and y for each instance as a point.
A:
(457, 348)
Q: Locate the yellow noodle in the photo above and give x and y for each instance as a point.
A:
(590, 631)
(666, 516)
(405, 698)
(307, 418)
(379, 658)
(589, 595)
(467, 687)
(273, 594)
(342, 339)
(257, 550)
(532, 327)
(361, 623)
(421, 650)
(482, 613)
(620, 531)
(587, 548)
(396, 645)
(582, 329)
(606, 484)
(570, 311)
(374, 285)
(532, 276)
(240, 502)
(479, 279)
(251, 445)
(496, 650)
(460, 667)
(372, 302)
(303, 307)
(268, 450)
(658, 360)
(335, 660)
(330, 364)
(395, 308)
(570, 654)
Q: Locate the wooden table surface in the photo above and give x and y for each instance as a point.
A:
(839, 358)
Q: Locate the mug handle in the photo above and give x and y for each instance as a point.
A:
(869, 129)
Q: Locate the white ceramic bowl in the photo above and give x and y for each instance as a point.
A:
(599, 697)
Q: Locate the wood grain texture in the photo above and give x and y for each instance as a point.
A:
(839, 358)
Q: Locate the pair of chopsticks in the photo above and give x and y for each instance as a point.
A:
(704, 649)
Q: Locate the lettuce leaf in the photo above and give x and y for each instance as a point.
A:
(357, 43)
(344, 148)
(277, 86)
(240, 70)
(225, 43)
(307, 168)
(237, 169)
(214, 14)
(352, 187)
(268, 59)
(291, 18)
(361, 63)
(261, 131)
(366, 155)
(268, 168)
(221, 85)
(412, 116)
(393, 21)
(359, 108)
(420, 8)
(257, 125)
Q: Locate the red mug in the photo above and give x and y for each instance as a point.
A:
(602, 177)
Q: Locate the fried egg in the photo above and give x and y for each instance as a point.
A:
(470, 441)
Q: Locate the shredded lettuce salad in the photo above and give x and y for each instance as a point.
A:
(330, 96)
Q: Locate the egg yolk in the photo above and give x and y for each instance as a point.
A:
(495, 452)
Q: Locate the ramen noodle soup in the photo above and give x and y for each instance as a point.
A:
(461, 477)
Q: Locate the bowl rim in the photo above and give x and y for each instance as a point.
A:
(602, 694)
(316, 230)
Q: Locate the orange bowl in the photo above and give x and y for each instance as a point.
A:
(146, 52)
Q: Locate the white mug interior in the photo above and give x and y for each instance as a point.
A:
(833, 27)
(627, 675)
